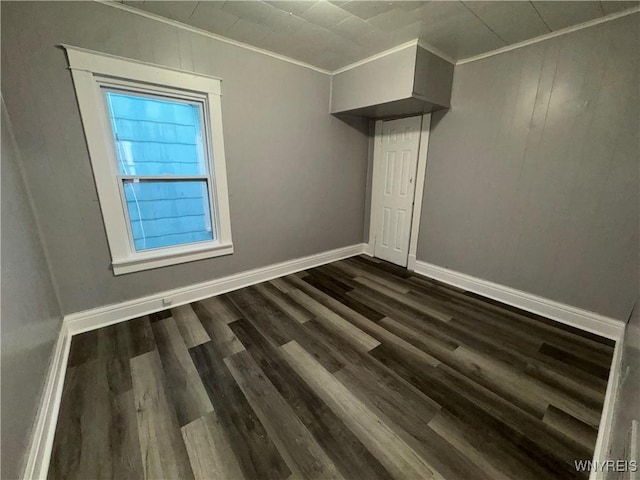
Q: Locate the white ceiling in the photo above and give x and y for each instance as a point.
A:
(332, 34)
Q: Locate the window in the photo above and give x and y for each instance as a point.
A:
(163, 172)
(155, 141)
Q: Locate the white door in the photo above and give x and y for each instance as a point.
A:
(394, 174)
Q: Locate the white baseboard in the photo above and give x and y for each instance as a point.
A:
(39, 453)
(110, 314)
(603, 441)
(42, 439)
(576, 317)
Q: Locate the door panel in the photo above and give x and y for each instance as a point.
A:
(404, 173)
(386, 227)
(394, 188)
(388, 180)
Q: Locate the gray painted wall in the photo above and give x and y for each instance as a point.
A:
(296, 174)
(627, 406)
(30, 313)
(433, 78)
(532, 177)
(382, 80)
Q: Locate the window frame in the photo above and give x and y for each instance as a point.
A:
(92, 72)
(116, 86)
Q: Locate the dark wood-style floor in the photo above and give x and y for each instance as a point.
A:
(356, 369)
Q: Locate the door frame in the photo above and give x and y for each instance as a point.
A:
(374, 220)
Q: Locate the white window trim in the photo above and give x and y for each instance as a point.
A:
(89, 70)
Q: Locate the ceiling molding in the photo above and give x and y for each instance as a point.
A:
(438, 53)
(177, 24)
(547, 36)
(384, 53)
(220, 38)
(411, 43)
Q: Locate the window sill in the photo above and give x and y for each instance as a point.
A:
(157, 259)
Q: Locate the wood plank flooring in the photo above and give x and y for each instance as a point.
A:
(358, 369)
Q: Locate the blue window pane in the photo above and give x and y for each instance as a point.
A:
(169, 213)
(155, 135)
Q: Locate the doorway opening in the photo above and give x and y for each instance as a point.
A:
(399, 166)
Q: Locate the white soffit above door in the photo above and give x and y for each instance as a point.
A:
(333, 34)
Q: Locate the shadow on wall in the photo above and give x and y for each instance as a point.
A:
(436, 118)
(359, 124)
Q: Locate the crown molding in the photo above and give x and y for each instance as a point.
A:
(200, 31)
(438, 53)
(547, 36)
(409, 44)
(184, 26)
(412, 43)
(384, 53)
